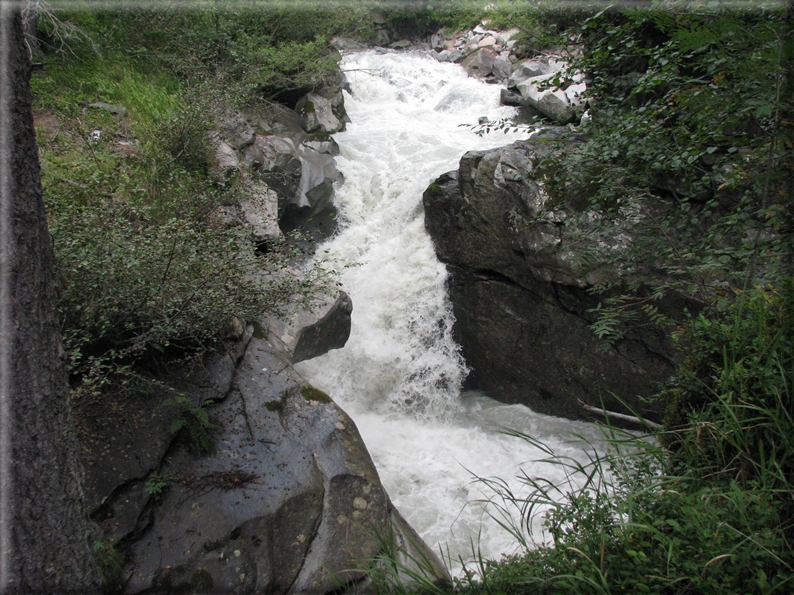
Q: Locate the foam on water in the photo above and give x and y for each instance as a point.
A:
(400, 374)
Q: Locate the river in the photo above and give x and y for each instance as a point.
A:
(400, 375)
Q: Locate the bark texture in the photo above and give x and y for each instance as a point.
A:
(47, 536)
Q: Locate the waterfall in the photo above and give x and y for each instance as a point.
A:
(400, 374)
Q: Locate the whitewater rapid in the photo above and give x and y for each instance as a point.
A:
(400, 374)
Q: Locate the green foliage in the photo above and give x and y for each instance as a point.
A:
(157, 483)
(143, 273)
(732, 398)
(195, 423)
(269, 46)
(315, 394)
(688, 157)
(111, 564)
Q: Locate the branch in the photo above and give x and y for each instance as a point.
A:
(621, 416)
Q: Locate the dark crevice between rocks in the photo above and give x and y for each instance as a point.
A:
(491, 276)
(244, 410)
(318, 523)
(350, 586)
(105, 510)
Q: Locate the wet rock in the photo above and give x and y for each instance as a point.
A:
(313, 331)
(323, 111)
(287, 502)
(520, 292)
(123, 442)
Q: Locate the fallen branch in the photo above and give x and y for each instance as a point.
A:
(621, 416)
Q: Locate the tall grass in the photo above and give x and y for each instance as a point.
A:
(704, 506)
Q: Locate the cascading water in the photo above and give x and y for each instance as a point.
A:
(400, 374)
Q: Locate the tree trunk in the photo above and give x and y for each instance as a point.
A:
(45, 535)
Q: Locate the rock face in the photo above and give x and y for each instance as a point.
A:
(323, 111)
(270, 151)
(288, 501)
(309, 333)
(520, 296)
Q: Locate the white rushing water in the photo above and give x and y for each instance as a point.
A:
(400, 374)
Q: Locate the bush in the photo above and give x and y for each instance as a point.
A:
(703, 507)
(142, 275)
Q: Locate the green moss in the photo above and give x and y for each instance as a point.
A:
(320, 137)
(274, 406)
(313, 394)
(308, 107)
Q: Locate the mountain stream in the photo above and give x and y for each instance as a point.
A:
(400, 374)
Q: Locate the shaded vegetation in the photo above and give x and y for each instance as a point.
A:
(689, 155)
(144, 272)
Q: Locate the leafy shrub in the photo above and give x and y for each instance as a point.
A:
(195, 423)
(142, 274)
(731, 403)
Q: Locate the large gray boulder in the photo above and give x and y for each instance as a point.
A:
(277, 162)
(288, 501)
(480, 63)
(311, 331)
(520, 291)
(323, 111)
(550, 101)
(259, 211)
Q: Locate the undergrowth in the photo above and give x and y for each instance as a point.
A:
(703, 506)
(144, 272)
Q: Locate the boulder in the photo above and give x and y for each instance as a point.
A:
(288, 501)
(501, 68)
(224, 162)
(519, 290)
(480, 63)
(259, 212)
(322, 143)
(400, 45)
(508, 97)
(551, 102)
(575, 95)
(533, 67)
(454, 56)
(487, 42)
(313, 330)
(323, 111)
(236, 131)
(277, 162)
(344, 44)
(505, 37)
(382, 37)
